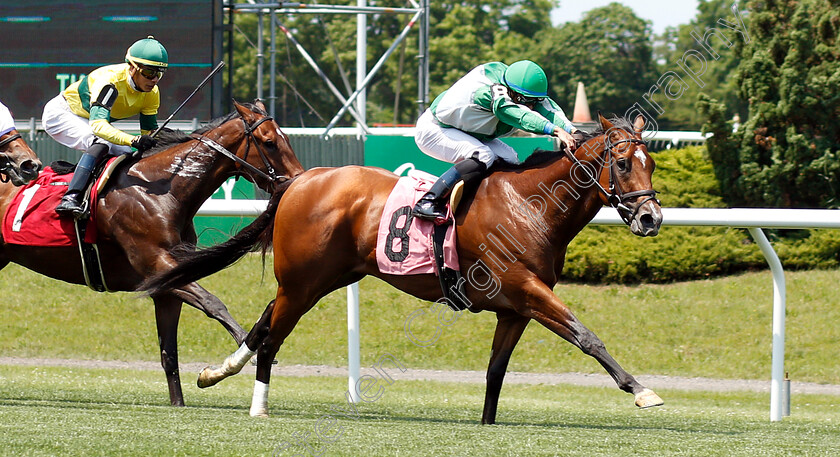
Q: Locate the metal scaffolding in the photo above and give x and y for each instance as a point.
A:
(419, 16)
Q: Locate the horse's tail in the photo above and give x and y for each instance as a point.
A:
(196, 264)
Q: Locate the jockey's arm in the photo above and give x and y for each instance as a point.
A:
(100, 118)
(148, 123)
(552, 111)
(518, 116)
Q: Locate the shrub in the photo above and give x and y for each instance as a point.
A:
(686, 179)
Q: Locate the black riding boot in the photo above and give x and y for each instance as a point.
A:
(432, 206)
(71, 202)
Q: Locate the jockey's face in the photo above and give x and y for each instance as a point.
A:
(520, 99)
(145, 79)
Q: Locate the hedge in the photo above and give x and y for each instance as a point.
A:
(685, 179)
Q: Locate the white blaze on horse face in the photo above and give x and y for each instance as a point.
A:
(641, 156)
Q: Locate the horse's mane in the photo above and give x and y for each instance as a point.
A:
(167, 138)
(541, 156)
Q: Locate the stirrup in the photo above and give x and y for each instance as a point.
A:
(429, 210)
(71, 207)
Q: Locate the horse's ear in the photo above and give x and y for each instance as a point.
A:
(639, 124)
(260, 105)
(606, 125)
(243, 111)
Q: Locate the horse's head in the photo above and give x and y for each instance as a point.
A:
(18, 162)
(628, 176)
(273, 155)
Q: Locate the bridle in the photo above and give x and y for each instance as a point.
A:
(617, 198)
(6, 163)
(270, 174)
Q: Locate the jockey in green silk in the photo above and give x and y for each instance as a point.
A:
(464, 123)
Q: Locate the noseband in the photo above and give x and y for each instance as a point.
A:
(615, 196)
(6, 163)
(270, 175)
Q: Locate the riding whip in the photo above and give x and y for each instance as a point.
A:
(215, 70)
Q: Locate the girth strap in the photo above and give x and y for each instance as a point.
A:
(451, 281)
(91, 262)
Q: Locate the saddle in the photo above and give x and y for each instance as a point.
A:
(407, 245)
(31, 219)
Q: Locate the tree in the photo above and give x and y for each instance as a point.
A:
(462, 35)
(787, 150)
(609, 50)
(682, 114)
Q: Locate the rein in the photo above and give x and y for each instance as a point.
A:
(9, 139)
(271, 176)
(7, 163)
(615, 196)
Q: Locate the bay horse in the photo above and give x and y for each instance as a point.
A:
(148, 207)
(325, 230)
(18, 162)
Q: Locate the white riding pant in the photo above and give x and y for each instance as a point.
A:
(73, 130)
(453, 145)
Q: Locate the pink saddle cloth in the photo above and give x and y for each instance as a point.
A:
(408, 250)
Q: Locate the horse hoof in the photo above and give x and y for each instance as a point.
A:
(648, 399)
(261, 413)
(204, 379)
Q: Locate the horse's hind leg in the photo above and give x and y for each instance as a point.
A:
(233, 363)
(198, 297)
(509, 328)
(167, 315)
(548, 310)
(266, 337)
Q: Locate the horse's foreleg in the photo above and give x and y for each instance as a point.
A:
(233, 363)
(167, 315)
(548, 310)
(209, 304)
(509, 328)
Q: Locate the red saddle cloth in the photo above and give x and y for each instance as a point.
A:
(31, 219)
(408, 250)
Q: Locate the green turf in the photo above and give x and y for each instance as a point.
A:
(716, 328)
(88, 412)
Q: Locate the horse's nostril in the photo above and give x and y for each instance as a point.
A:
(30, 166)
(646, 220)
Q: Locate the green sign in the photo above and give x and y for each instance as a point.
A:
(217, 229)
(400, 154)
(394, 153)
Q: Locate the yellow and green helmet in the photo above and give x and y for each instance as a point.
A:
(148, 52)
(526, 78)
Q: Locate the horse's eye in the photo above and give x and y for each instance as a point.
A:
(623, 165)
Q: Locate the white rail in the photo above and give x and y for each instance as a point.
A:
(753, 219)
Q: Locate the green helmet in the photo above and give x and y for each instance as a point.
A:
(148, 52)
(526, 78)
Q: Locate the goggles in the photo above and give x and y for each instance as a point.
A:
(523, 100)
(150, 73)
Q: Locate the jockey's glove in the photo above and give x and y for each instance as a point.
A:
(143, 142)
(579, 138)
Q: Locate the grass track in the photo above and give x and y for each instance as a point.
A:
(91, 412)
(717, 328)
